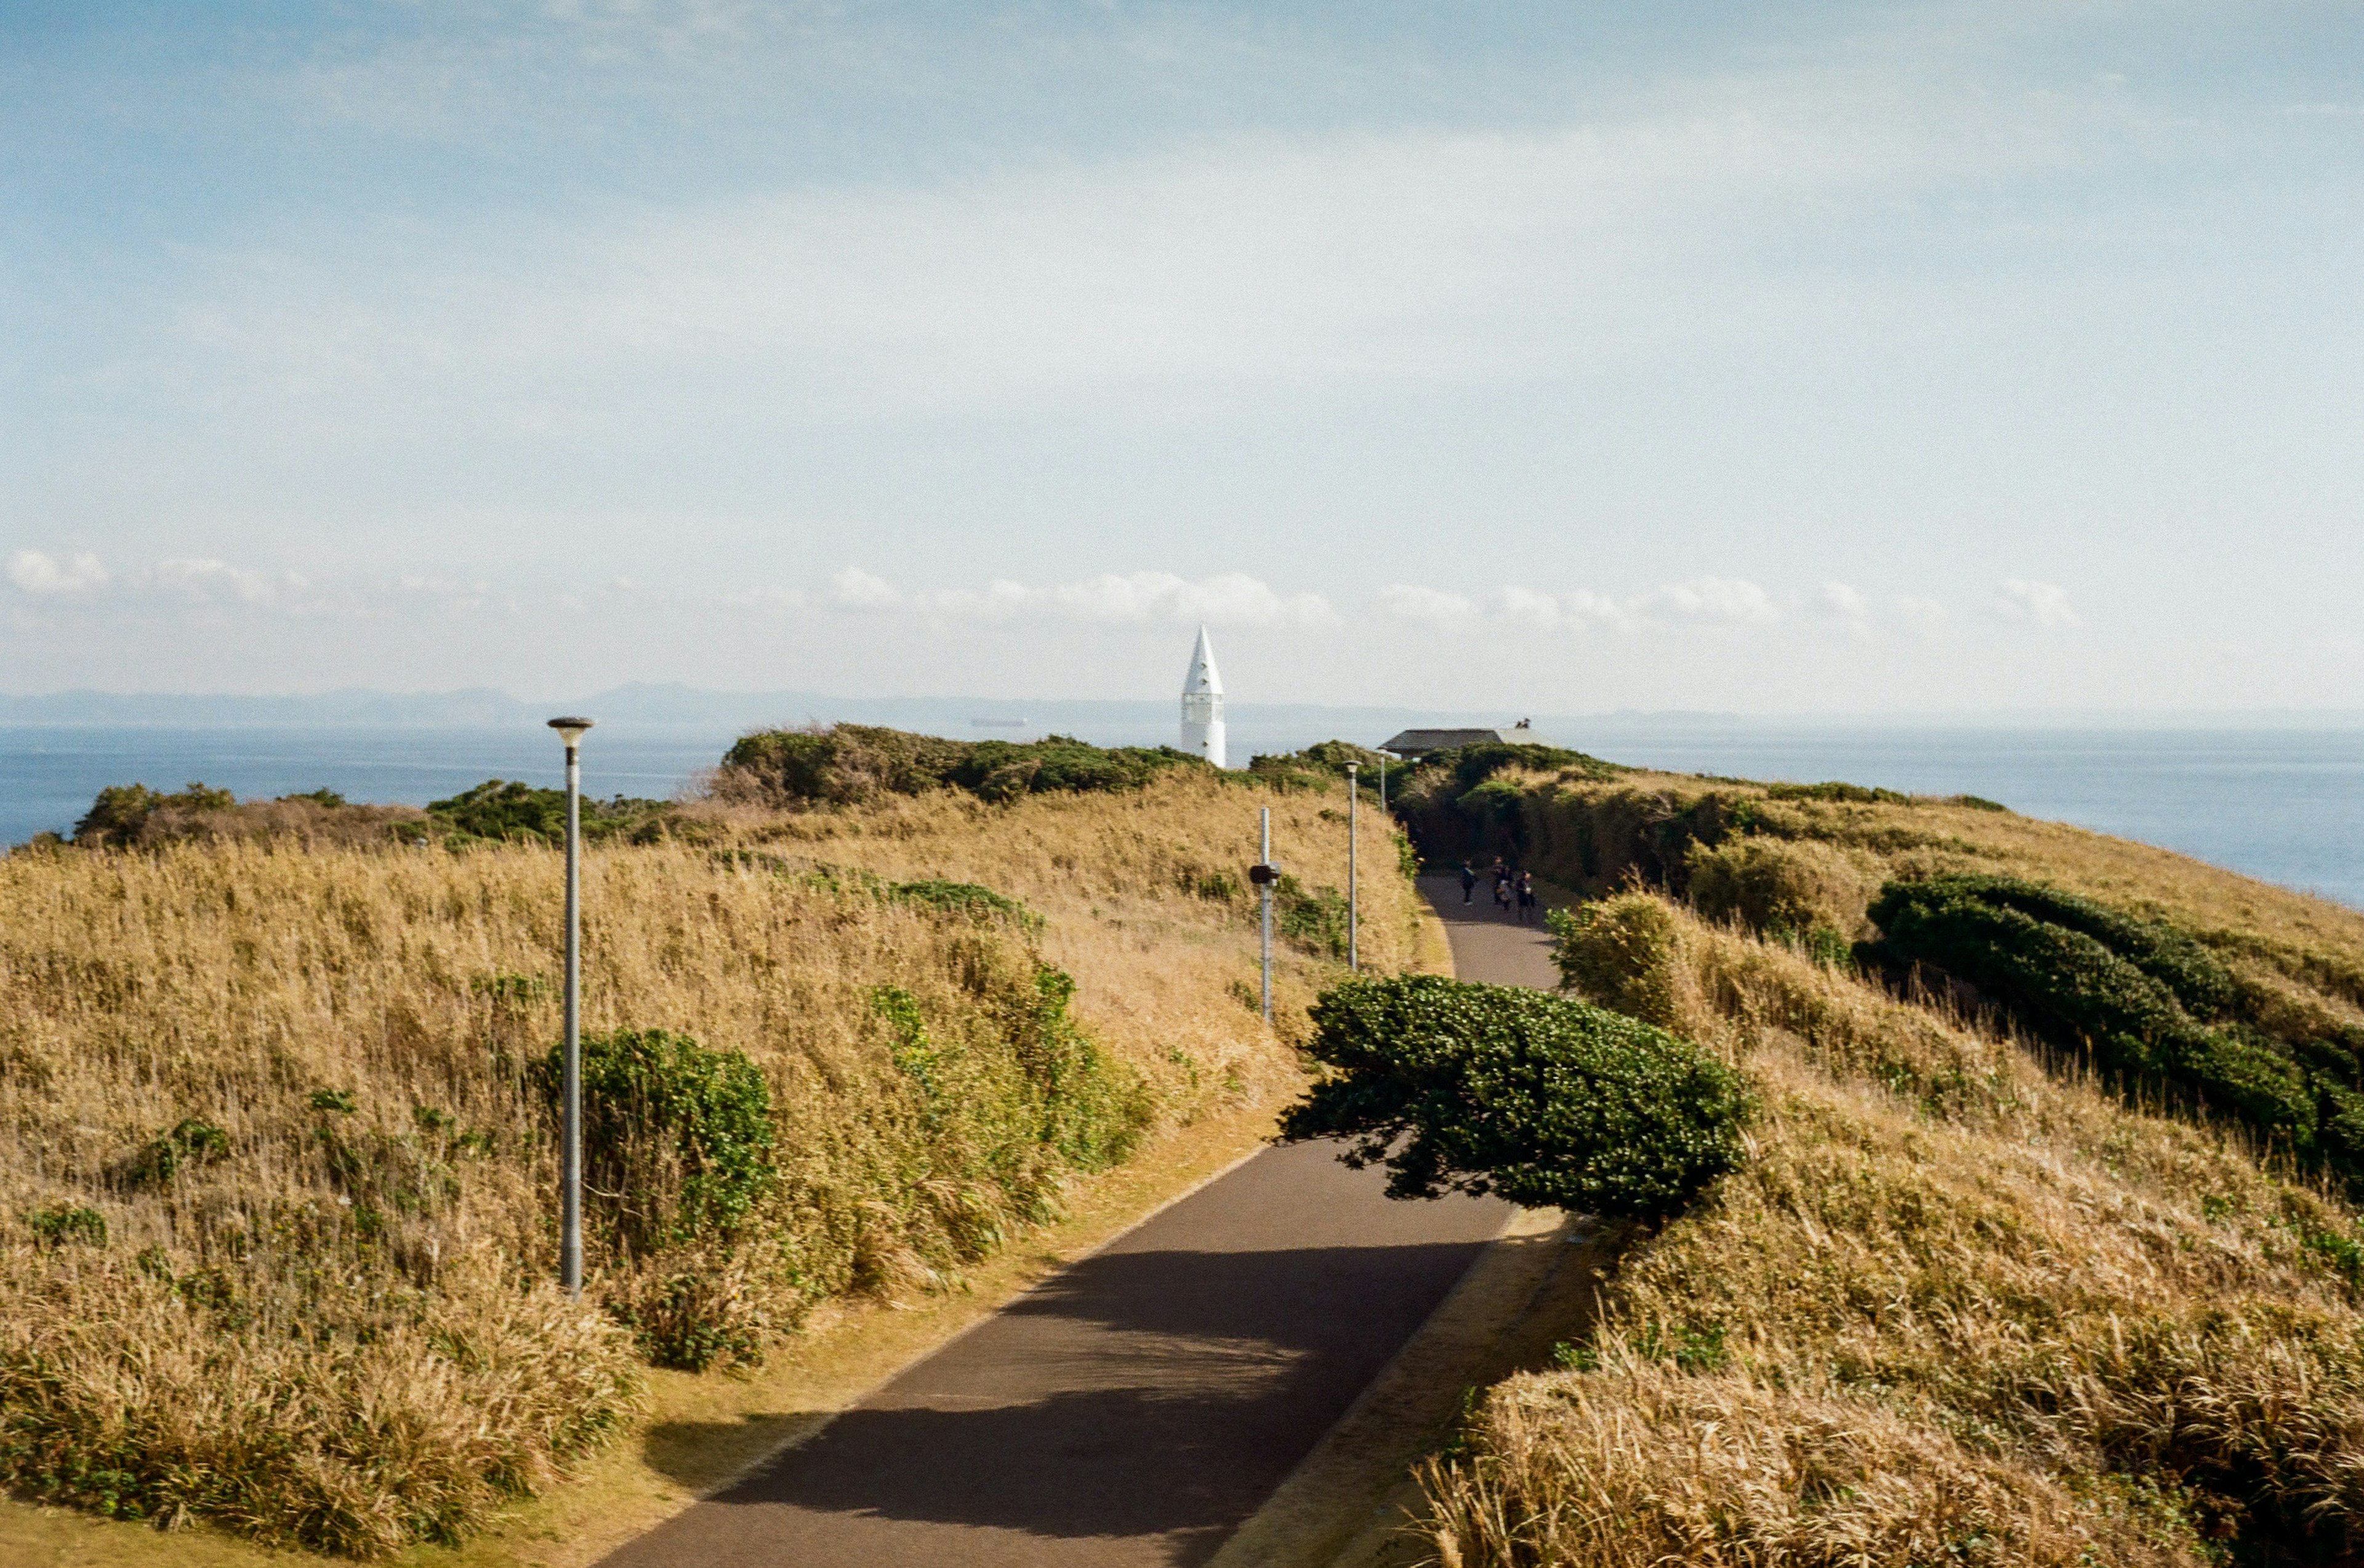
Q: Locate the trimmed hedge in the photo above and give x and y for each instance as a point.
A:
(1460, 1087)
(2152, 1004)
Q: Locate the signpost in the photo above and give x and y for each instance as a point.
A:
(570, 1128)
(1353, 923)
(1264, 873)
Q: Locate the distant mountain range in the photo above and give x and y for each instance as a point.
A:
(692, 708)
(678, 706)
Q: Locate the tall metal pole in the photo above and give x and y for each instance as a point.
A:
(569, 1129)
(1353, 917)
(1265, 857)
(1383, 783)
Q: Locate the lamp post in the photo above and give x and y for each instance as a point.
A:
(570, 1128)
(1354, 921)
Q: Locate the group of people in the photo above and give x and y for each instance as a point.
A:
(1510, 888)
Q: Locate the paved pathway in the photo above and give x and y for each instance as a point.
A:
(1487, 944)
(1134, 1409)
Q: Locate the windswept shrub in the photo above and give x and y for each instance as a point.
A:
(1471, 1088)
(1621, 953)
(965, 899)
(1837, 790)
(1325, 756)
(2087, 978)
(504, 811)
(1805, 893)
(133, 816)
(848, 764)
(676, 1139)
(120, 811)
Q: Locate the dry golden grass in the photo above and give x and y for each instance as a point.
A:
(338, 1332)
(1953, 1309)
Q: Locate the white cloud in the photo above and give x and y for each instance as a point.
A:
(858, 590)
(1408, 601)
(2046, 604)
(1846, 604)
(1711, 601)
(1727, 600)
(209, 580)
(1527, 607)
(1228, 598)
(40, 573)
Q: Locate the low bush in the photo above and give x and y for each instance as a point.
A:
(133, 816)
(1803, 893)
(1472, 1088)
(67, 1225)
(1837, 790)
(505, 811)
(846, 764)
(1621, 953)
(1315, 919)
(192, 1142)
(2149, 1003)
(965, 899)
(676, 1139)
(121, 811)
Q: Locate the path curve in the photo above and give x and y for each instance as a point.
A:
(1134, 1409)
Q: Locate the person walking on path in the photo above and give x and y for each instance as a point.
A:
(1502, 887)
(1468, 884)
(1526, 897)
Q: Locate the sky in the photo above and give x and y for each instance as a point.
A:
(1822, 357)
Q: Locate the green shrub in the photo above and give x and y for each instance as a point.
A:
(965, 899)
(1833, 789)
(677, 1140)
(1471, 1088)
(1094, 1109)
(192, 1142)
(67, 1225)
(120, 811)
(846, 763)
(2148, 1002)
(1314, 921)
(504, 811)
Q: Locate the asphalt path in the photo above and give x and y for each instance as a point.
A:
(1138, 1406)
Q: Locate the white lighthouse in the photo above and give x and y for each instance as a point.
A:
(1202, 705)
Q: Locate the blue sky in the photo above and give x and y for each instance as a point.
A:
(1813, 358)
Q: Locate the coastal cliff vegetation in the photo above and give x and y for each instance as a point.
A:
(278, 1230)
(2045, 1246)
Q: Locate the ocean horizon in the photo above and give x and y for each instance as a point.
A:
(2276, 804)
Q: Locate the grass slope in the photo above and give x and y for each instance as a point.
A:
(1966, 1300)
(325, 1322)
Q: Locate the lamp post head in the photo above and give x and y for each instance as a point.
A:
(1353, 768)
(569, 730)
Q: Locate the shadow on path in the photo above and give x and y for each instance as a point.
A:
(1133, 1409)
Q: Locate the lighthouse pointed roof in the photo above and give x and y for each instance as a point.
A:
(1202, 679)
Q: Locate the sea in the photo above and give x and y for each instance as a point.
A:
(2283, 804)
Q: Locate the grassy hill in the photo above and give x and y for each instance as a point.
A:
(276, 1234)
(2045, 1249)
